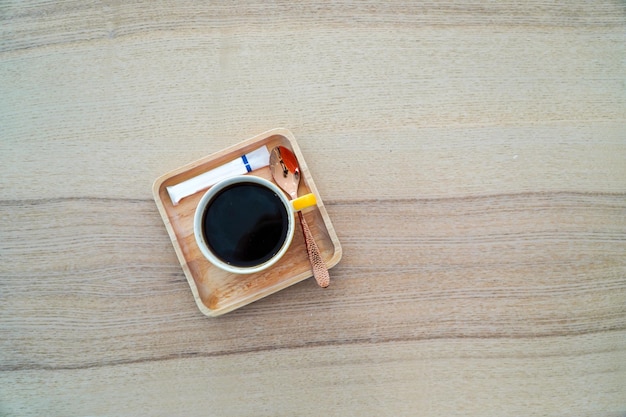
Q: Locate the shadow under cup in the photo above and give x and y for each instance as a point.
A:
(245, 224)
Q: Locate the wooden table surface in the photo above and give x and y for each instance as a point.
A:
(471, 155)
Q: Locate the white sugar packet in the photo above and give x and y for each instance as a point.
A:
(256, 159)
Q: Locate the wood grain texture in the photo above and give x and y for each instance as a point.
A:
(471, 156)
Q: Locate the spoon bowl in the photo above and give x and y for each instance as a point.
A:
(285, 170)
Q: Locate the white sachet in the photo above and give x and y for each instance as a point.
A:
(256, 159)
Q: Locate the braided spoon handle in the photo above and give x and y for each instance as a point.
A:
(320, 272)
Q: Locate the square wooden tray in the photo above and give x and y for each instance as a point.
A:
(217, 292)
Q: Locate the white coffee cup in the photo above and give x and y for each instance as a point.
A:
(245, 224)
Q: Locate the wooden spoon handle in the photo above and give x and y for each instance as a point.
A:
(320, 272)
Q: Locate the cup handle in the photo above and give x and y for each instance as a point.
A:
(303, 202)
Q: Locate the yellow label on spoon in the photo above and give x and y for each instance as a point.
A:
(303, 202)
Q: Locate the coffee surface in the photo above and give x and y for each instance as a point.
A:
(245, 224)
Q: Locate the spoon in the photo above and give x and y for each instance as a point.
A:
(286, 173)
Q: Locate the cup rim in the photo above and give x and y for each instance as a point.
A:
(201, 207)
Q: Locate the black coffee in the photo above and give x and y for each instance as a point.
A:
(245, 224)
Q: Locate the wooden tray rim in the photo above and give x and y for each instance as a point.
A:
(244, 146)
